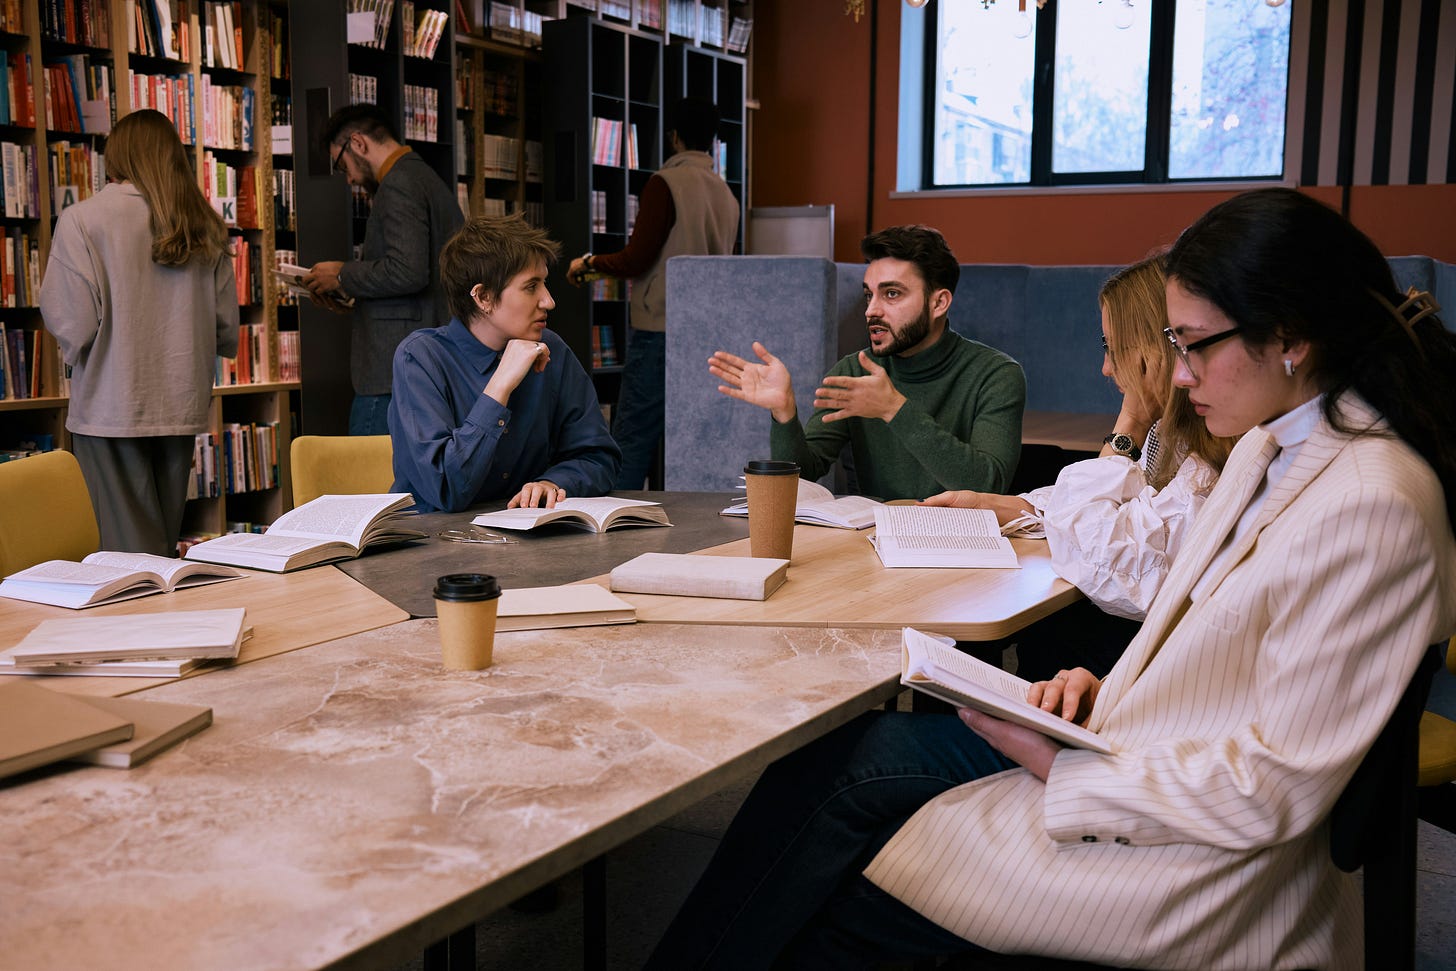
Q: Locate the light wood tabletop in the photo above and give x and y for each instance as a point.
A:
(1072, 431)
(287, 611)
(836, 580)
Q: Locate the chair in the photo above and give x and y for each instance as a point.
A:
(340, 465)
(48, 512)
(1436, 773)
(1372, 827)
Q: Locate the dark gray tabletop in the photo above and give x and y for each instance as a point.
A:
(405, 574)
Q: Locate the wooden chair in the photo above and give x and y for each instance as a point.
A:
(1436, 772)
(340, 465)
(48, 512)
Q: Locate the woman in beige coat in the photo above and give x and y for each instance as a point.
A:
(1315, 576)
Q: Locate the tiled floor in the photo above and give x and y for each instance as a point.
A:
(648, 877)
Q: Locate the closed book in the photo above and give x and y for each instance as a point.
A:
(133, 637)
(696, 575)
(38, 727)
(573, 605)
(158, 725)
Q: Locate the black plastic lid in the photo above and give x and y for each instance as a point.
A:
(771, 467)
(466, 587)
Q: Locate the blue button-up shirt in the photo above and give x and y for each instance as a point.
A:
(454, 446)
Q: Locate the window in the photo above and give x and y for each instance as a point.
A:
(1101, 91)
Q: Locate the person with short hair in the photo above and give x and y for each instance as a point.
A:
(686, 209)
(395, 282)
(140, 295)
(492, 404)
(923, 409)
(1314, 579)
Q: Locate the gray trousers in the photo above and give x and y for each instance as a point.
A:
(138, 488)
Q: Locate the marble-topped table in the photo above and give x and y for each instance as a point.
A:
(541, 557)
(354, 802)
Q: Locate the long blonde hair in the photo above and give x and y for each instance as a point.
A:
(143, 149)
(1135, 300)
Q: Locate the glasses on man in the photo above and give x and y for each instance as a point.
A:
(1185, 351)
(337, 166)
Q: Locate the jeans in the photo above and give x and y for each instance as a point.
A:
(637, 421)
(369, 415)
(785, 882)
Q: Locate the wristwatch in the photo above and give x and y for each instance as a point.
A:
(586, 260)
(1123, 445)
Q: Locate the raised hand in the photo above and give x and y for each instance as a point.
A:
(870, 396)
(767, 385)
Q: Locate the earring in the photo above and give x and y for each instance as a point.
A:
(1289, 367)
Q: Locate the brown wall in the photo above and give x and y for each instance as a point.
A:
(811, 146)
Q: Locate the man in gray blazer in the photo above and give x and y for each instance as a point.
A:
(395, 283)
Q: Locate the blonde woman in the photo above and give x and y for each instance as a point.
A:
(140, 295)
(1114, 523)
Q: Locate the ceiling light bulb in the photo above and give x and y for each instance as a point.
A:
(917, 4)
(1021, 25)
(1123, 15)
(1275, 3)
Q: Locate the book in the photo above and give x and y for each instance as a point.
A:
(326, 529)
(108, 577)
(817, 506)
(573, 605)
(941, 537)
(695, 575)
(939, 670)
(157, 725)
(133, 637)
(597, 515)
(38, 727)
(166, 668)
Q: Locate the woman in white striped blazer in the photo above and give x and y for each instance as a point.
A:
(1296, 613)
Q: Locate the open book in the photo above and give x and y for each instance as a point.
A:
(108, 577)
(943, 672)
(697, 575)
(818, 507)
(327, 529)
(290, 277)
(940, 536)
(133, 637)
(596, 515)
(571, 605)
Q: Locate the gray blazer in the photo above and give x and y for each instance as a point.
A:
(396, 280)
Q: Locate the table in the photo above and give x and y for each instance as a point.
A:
(405, 575)
(353, 802)
(287, 611)
(836, 580)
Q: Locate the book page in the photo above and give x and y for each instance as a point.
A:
(939, 536)
(336, 517)
(264, 543)
(169, 568)
(66, 571)
(600, 509)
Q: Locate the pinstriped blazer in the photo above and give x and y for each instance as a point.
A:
(1236, 718)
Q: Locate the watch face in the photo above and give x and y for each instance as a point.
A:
(1122, 443)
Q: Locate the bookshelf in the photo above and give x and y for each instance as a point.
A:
(499, 153)
(699, 72)
(604, 105)
(330, 219)
(89, 62)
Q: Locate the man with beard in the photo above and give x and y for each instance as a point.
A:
(395, 282)
(922, 408)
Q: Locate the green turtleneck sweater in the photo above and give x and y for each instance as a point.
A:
(960, 426)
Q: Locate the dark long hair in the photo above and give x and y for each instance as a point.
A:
(1283, 266)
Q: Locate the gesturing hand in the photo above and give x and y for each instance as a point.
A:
(870, 396)
(517, 359)
(767, 385)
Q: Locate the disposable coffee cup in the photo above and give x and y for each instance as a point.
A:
(465, 604)
(773, 494)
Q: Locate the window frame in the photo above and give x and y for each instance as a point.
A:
(1159, 114)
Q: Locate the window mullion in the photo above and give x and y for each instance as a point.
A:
(1042, 92)
(1160, 92)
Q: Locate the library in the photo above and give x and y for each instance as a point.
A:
(352, 803)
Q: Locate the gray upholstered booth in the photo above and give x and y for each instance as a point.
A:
(810, 312)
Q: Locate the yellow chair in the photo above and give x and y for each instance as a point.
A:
(1436, 772)
(340, 465)
(48, 512)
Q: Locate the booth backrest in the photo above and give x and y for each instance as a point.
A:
(810, 312)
